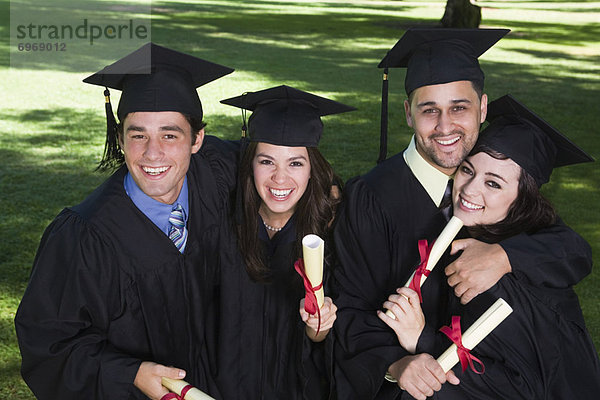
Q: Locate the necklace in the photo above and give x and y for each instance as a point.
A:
(271, 228)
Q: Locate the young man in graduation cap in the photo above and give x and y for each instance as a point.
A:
(119, 282)
(388, 210)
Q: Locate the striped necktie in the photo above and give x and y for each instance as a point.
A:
(178, 233)
(447, 200)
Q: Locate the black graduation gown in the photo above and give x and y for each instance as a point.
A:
(109, 290)
(262, 349)
(378, 227)
(376, 237)
(541, 351)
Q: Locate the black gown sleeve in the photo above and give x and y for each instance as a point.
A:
(555, 257)
(364, 345)
(315, 369)
(223, 157)
(498, 382)
(63, 318)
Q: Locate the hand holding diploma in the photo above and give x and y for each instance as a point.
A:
(317, 329)
(148, 378)
(408, 321)
(313, 250)
(182, 390)
(431, 255)
(315, 302)
(310, 269)
(420, 375)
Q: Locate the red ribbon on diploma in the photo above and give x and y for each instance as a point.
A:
(310, 299)
(415, 283)
(175, 396)
(464, 354)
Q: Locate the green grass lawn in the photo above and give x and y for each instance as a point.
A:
(52, 125)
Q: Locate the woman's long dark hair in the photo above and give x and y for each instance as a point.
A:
(528, 213)
(314, 212)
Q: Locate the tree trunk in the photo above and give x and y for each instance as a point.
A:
(461, 14)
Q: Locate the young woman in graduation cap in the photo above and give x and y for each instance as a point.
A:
(542, 350)
(287, 190)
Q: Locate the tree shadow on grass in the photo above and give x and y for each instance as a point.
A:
(546, 5)
(57, 127)
(551, 33)
(46, 166)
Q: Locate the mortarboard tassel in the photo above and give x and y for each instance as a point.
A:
(384, 118)
(244, 125)
(112, 157)
(239, 213)
(239, 209)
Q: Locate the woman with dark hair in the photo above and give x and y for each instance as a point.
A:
(542, 350)
(528, 212)
(315, 199)
(286, 190)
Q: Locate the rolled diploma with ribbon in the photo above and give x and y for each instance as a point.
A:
(484, 325)
(439, 247)
(313, 250)
(177, 385)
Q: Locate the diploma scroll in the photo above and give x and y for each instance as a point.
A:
(439, 247)
(177, 386)
(484, 325)
(313, 250)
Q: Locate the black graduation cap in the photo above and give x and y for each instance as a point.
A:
(435, 56)
(153, 78)
(518, 133)
(286, 116)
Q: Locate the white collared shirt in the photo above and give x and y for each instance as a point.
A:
(433, 180)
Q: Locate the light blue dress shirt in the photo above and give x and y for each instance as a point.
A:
(156, 211)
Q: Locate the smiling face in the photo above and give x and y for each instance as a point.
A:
(157, 148)
(484, 189)
(446, 120)
(281, 176)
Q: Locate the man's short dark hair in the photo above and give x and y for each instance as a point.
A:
(478, 88)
